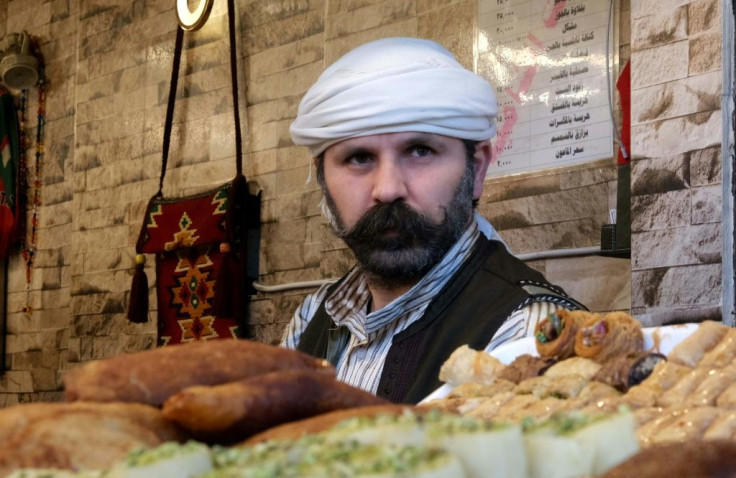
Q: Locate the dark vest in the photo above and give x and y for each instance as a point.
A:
(489, 287)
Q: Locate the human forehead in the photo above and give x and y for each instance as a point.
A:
(393, 140)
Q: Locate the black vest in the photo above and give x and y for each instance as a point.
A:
(471, 307)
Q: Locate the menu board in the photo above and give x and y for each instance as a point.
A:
(548, 61)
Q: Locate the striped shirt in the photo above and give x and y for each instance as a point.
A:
(361, 362)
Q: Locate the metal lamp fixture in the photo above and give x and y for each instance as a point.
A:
(19, 68)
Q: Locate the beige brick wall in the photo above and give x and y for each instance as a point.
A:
(676, 171)
(108, 63)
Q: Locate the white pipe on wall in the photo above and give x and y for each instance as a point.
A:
(529, 256)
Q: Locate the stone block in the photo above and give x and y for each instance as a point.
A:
(661, 174)
(273, 33)
(16, 381)
(289, 157)
(705, 166)
(222, 136)
(336, 47)
(285, 57)
(18, 323)
(704, 16)
(53, 237)
(642, 8)
(369, 17)
(691, 245)
(688, 286)
(260, 13)
(601, 283)
(262, 311)
(45, 380)
(676, 135)
(284, 256)
(293, 230)
(705, 53)
(55, 318)
(660, 64)
(289, 181)
(570, 204)
(559, 235)
(286, 83)
(512, 187)
(665, 26)
(652, 212)
(35, 359)
(707, 204)
(694, 94)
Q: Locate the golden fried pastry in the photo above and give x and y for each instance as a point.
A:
(319, 423)
(468, 365)
(554, 336)
(603, 338)
(152, 376)
(628, 370)
(574, 366)
(236, 410)
(722, 354)
(693, 348)
(526, 366)
(79, 435)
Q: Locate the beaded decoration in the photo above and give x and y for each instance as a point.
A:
(28, 244)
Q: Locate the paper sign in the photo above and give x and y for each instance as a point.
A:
(548, 61)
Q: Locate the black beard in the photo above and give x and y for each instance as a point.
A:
(396, 245)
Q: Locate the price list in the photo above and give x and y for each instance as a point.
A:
(547, 60)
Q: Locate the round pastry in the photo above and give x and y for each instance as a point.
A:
(603, 338)
(554, 336)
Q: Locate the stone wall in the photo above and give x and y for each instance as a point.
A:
(676, 171)
(108, 64)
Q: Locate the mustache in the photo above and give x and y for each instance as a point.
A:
(405, 223)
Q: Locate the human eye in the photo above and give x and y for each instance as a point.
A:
(358, 159)
(420, 151)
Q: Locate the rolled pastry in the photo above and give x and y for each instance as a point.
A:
(554, 336)
(628, 370)
(690, 425)
(152, 376)
(677, 394)
(236, 410)
(610, 336)
(727, 398)
(526, 366)
(722, 428)
(724, 352)
(706, 393)
(693, 348)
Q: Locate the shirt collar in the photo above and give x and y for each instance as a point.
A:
(348, 304)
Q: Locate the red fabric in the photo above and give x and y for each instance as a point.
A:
(623, 85)
(185, 287)
(180, 223)
(185, 234)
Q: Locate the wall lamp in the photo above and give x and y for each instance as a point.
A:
(19, 67)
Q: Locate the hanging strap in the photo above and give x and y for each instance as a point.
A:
(172, 98)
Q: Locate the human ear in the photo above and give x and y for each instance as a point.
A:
(481, 162)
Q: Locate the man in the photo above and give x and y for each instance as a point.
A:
(399, 131)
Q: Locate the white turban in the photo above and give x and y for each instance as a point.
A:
(395, 85)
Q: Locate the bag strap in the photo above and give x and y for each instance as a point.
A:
(172, 98)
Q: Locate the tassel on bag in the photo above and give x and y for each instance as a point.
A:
(138, 300)
(138, 304)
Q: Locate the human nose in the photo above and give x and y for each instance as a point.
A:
(389, 182)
